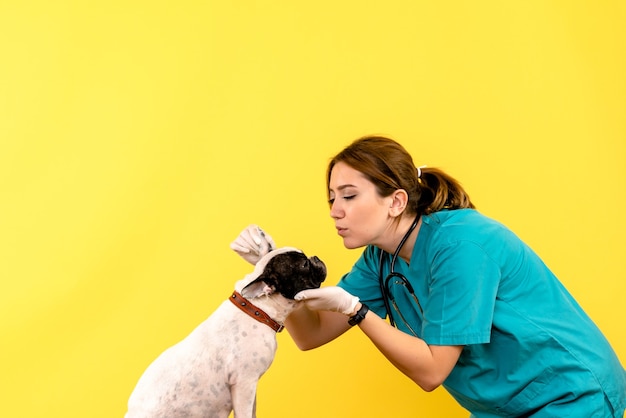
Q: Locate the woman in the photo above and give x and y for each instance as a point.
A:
(470, 306)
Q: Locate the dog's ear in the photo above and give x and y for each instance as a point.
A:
(257, 288)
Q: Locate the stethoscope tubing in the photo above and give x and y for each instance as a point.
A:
(384, 282)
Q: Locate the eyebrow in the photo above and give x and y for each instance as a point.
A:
(342, 187)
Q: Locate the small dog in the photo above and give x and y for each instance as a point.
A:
(216, 368)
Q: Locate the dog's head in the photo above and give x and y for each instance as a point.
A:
(286, 271)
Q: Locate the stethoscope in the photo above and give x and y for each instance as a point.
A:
(400, 279)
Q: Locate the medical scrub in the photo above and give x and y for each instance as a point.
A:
(529, 348)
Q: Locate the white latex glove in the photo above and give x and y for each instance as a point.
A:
(252, 244)
(329, 298)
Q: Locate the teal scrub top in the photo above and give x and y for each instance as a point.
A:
(528, 346)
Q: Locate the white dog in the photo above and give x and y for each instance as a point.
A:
(216, 368)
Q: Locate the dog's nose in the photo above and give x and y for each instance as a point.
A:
(317, 262)
(319, 268)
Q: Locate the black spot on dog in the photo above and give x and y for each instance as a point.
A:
(291, 272)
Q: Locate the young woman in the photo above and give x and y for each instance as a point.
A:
(470, 306)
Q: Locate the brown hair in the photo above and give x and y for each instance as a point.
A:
(390, 167)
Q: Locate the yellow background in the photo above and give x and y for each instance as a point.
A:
(137, 138)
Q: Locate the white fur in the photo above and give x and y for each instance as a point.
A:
(216, 368)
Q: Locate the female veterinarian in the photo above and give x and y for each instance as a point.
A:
(470, 306)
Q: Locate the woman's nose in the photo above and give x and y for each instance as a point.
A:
(335, 211)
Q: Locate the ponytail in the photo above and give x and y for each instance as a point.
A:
(438, 190)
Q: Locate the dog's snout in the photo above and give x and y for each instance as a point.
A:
(319, 269)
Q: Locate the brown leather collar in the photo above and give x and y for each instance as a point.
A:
(253, 311)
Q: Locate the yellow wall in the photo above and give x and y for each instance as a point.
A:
(138, 138)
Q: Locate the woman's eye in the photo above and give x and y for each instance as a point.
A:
(349, 197)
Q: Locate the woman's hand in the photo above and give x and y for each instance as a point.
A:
(329, 298)
(252, 244)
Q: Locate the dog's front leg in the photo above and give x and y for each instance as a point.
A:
(244, 399)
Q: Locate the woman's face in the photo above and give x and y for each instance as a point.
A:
(361, 215)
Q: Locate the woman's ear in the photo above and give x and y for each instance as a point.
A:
(399, 200)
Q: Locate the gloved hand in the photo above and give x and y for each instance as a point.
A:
(329, 298)
(252, 244)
